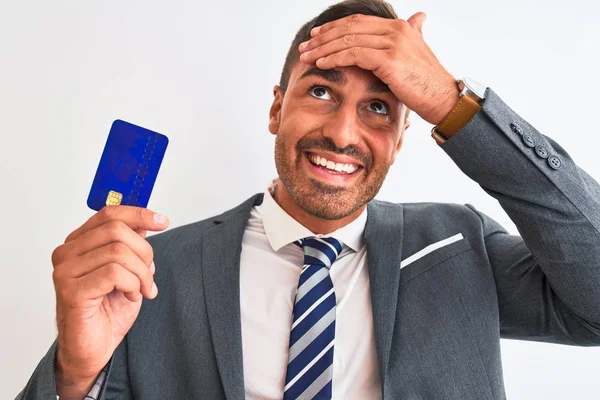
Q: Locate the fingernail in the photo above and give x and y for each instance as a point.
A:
(160, 219)
(154, 289)
(315, 31)
(303, 45)
(152, 268)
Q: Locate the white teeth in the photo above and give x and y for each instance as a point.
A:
(347, 168)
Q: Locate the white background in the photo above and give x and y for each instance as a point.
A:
(202, 73)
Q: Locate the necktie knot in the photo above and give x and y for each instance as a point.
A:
(320, 251)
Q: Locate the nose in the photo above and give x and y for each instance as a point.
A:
(342, 127)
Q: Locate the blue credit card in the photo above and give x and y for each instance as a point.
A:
(128, 167)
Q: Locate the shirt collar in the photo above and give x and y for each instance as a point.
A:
(281, 229)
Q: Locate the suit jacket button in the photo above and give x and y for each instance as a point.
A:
(541, 151)
(554, 162)
(516, 128)
(528, 140)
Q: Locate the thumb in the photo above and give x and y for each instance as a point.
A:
(417, 20)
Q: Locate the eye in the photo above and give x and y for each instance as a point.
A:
(320, 92)
(379, 107)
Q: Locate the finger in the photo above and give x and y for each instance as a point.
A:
(134, 217)
(110, 277)
(359, 25)
(417, 21)
(117, 253)
(110, 232)
(356, 23)
(346, 42)
(365, 58)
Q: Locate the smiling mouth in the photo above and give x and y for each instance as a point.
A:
(333, 167)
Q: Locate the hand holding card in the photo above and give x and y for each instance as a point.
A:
(106, 266)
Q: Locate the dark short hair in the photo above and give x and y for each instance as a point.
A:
(377, 8)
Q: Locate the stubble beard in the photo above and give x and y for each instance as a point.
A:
(318, 199)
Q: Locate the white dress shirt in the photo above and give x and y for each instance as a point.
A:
(269, 270)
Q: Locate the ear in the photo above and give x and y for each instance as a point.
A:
(275, 112)
(400, 140)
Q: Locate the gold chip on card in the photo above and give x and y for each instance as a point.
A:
(114, 198)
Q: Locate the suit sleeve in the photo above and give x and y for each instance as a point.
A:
(548, 279)
(42, 384)
(112, 383)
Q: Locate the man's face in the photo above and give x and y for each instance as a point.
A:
(337, 134)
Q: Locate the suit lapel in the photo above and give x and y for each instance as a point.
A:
(383, 241)
(221, 249)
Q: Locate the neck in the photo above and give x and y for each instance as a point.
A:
(314, 224)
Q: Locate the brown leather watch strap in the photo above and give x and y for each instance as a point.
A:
(461, 114)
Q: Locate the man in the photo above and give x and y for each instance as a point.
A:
(313, 290)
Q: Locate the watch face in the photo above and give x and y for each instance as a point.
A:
(475, 87)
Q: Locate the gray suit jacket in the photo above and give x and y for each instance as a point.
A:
(438, 321)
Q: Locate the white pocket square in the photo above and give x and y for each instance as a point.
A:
(432, 247)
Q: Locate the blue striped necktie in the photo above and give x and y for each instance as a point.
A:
(310, 362)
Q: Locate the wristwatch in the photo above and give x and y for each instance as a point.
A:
(470, 97)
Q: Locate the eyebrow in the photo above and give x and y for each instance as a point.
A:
(331, 75)
(338, 77)
(379, 87)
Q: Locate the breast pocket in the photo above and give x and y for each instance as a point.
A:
(432, 256)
